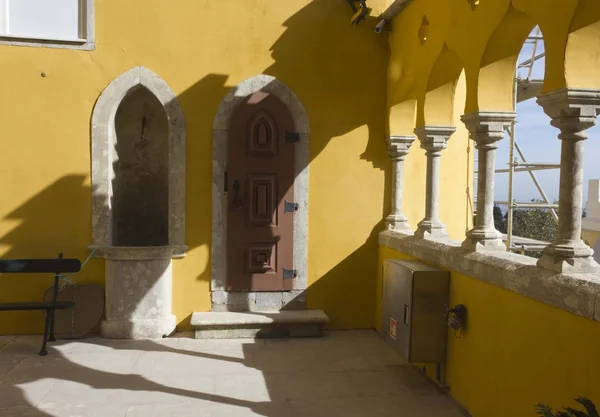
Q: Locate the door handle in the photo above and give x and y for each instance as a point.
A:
(237, 201)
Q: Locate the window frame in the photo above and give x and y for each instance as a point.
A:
(86, 33)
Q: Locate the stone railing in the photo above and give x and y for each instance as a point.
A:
(566, 276)
(576, 293)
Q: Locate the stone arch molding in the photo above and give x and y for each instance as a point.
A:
(222, 300)
(103, 154)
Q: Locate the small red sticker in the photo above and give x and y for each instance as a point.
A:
(393, 326)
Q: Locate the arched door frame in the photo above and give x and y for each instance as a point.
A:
(221, 299)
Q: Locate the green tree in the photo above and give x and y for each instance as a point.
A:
(499, 219)
(590, 410)
(534, 223)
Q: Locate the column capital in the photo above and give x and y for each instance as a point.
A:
(434, 138)
(398, 146)
(486, 128)
(572, 110)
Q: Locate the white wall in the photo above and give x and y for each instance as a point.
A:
(592, 221)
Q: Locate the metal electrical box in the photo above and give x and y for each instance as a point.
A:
(413, 322)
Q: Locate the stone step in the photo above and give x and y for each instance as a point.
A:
(258, 324)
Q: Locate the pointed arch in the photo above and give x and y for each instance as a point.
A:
(236, 96)
(582, 64)
(103, 140)
(402, 105)
(496, 81)
(436, 106)
(263, 132)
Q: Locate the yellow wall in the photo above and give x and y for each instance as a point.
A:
(201, 49)
(590, 237)
(516, 352)
(485, 41)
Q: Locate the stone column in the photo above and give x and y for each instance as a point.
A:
(398, 147)
(573, 111)
(433, 139)
(486, 129)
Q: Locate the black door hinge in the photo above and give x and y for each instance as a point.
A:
(290, 207)
(292, 137)
(225, 186)
(289, 273)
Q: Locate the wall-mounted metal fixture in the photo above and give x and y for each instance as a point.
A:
(457, 318)
(424, 30)
(413, 296)
(360, 9)
(381, 26)
(474, 4)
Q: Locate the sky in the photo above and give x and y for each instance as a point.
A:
(539, 142)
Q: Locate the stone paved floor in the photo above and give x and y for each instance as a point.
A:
(349, 374)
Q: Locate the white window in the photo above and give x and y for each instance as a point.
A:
(46, 21)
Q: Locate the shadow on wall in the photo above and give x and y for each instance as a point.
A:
(338, 72)
(55, 220)
(359, 269)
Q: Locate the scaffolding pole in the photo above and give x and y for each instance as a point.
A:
(504, 171)
(511, 169)
(537, 184)
(529, 205)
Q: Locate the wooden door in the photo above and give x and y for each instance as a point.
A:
(259, 182)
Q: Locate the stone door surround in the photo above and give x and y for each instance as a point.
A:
(242, 301)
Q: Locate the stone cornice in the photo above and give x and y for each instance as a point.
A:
(130, 253)
(576, 293)
(394, 9)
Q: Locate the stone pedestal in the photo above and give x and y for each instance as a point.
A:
(138, 292)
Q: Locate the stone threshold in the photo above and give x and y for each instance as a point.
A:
(248, 324)
(222, 301)
(576, 293)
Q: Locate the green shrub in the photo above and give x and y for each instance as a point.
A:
(590, 410)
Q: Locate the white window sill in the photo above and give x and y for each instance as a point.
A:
(48, 42)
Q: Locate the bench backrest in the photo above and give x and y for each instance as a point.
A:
(30, 266)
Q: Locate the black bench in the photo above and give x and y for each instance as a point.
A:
(37, 266)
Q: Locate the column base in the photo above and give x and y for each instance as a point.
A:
(430, 228)
(138, 329)
(569, 257)
(398, 223)
(484, 240)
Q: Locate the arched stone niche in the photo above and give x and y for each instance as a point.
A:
(138, 201)
(122, 89)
